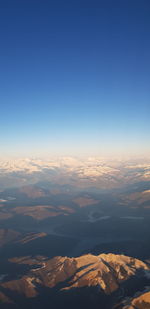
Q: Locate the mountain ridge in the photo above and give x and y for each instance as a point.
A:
(107, 274)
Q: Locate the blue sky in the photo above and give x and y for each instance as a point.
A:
(74, 77)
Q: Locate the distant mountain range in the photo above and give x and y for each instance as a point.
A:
(59, 221)
(79, 172)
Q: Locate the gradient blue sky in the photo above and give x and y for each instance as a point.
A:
(74, 77)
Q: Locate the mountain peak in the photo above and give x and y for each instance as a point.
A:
(105, 273)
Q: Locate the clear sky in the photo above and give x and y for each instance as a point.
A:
(74, 77)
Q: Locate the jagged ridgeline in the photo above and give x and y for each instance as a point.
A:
(103, 281)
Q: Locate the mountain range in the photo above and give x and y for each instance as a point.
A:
(75, 233)
(102, 281)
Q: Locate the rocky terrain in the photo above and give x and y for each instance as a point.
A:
(108, 277)
(59, 221)
(139, 301)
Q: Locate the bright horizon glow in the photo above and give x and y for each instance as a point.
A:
(75, 78)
